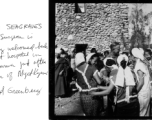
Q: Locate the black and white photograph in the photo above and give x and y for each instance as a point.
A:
(103, 59)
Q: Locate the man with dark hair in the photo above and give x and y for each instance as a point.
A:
(148, 54)
(115, 49)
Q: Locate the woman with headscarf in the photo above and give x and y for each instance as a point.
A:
(110, 89)
(143, 78)
(87, 80)
(93, 59)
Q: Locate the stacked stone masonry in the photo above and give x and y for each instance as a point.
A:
(98, 26)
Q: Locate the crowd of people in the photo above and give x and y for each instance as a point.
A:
(114, 83)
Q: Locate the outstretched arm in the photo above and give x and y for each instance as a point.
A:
(103, 87)
(105, 92)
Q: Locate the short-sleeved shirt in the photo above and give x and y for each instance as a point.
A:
(91, 70)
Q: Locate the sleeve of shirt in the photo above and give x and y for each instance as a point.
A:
(142, 68)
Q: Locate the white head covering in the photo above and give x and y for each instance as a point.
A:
(89, 56)
(113, 66)
(138, 53)
(79, 58)
(65, 49)
(124, 74)
(139, 65)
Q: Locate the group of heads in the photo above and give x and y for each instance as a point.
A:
(128, 59)
(91, 58)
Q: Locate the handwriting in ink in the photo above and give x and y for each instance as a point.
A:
(17, 47)
(24, 26)
(23, 91)
(42, 46)
(24, 64)
(22, 73)
(17, 55)
(29, 37)
(10, 76)
(2, 91)
(1, 53)
(36, 55)
(1, 77)
(7, 66)
(2, 37)
(39, 62)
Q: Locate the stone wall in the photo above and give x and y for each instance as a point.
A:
(100, 25)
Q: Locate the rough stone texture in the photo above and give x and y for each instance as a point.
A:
(99, 26)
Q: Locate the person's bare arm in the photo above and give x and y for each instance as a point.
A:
(105, 92)
(141, 80)
(97, 78)
(103, 87)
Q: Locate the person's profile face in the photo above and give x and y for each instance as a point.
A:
(116, 49)
(132, 61)
(147, 56)
(106, 54)
(94, 60)
(131, 66)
